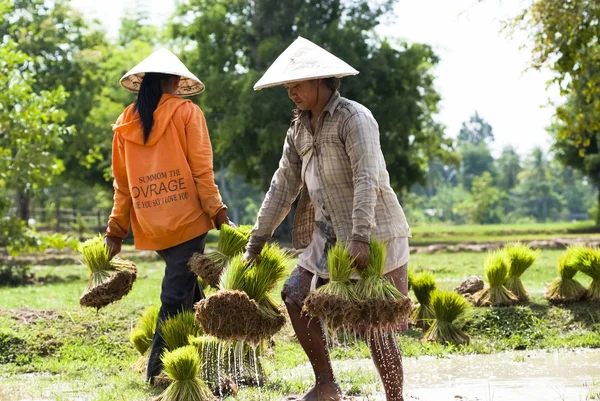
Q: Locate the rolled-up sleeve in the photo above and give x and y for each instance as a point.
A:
(284, 189)
(363, 148)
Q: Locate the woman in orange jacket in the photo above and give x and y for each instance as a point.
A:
(164, 181)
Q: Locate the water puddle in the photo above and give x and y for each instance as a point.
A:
(40, 387)
(514, 376)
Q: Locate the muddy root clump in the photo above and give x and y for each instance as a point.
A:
(113, 289)
(232, 316)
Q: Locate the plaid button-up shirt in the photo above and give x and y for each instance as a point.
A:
(351, 170)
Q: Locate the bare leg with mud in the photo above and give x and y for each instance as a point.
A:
(388, 362)
(312, 339)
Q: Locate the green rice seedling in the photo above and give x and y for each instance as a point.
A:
(96, 257)
(423, 285)
(336, 301)
(587, 261)
(495, 294)
(565, 289)
(110, 280)
(520, 257)
(142, 334)
(264, 274)
(411, 278)
(447, 306)
(175, 330)
(382, 305)
(209, 267)
(233, 277)
(245, 229)
(182, 366)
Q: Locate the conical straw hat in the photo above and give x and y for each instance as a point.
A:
(165, 62)
(302, 61)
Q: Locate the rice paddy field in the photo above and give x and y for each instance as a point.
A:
(52, 349)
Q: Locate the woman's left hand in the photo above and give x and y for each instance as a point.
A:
(360, 251)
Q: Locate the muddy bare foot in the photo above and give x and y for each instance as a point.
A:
(323, 392)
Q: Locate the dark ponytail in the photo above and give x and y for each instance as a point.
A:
(148, 99)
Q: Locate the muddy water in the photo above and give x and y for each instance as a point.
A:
(515, 376)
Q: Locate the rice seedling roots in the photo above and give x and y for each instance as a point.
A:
(373, 314)
(115, 288)
(515, 285)
(565, 291)
(337, 313)
(421, 316)
(376, 314)
(232, 316)
(495, 296)
(206, 269)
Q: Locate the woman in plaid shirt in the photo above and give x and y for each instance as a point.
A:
(332, 158)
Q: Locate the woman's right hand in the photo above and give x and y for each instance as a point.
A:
(114, 246)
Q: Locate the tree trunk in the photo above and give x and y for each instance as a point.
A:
(23, 206)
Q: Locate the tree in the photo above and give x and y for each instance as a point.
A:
(565, 37)
(537, 194)
(473, 145)
(60, 46)
(509, 167)
(234, 42)
(485, 205)
(476, 131)
(31, 132)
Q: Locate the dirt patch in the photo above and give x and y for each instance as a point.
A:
(29, 316)
(556, 243)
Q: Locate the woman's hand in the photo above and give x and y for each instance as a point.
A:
(221, 218)
(250, 256)
(360, 251)
(114, 246)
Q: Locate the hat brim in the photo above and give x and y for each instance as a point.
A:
(188, 86)
(260, 86)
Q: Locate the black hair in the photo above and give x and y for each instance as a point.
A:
(332, 83)
(148, 99)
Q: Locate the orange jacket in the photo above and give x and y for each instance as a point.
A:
(165, 188)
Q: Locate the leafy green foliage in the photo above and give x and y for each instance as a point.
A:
(233, 42)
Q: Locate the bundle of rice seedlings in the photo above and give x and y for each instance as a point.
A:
(382, 305)
(565, 289)
(520, 258)
(587, 261)
(142, 334)
(447, 306)
(110, 280)
(336, 302)
(177, 329)
(423, 285)
(209, 267)
(242, 309)
(182, 367)
(495, 294)
(411, 278)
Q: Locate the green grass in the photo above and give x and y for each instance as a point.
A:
(57, 348)
(450, 234)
